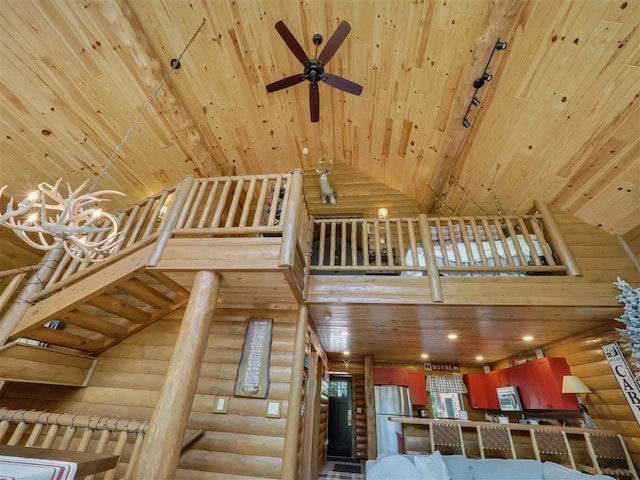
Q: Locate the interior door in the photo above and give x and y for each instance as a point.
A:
(340, 444)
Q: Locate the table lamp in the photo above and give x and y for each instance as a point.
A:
(572, 384)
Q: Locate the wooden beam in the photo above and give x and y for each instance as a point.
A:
(560, 245)
(11, 319)
(430, 259)
(293, 416)
(369, 398)
(163, 443)
(623, 243)
(499, 18)
(312, 418)
(291, 223)
(6, 294)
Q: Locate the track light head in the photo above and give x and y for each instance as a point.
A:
(478, 83)
(501, 45)
(475, 101)
(466, 123)
(487, 77)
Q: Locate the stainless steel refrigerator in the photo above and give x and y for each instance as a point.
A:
(391, 401)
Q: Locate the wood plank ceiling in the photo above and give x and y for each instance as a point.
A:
(560, 120)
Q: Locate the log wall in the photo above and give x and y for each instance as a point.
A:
(129, 376)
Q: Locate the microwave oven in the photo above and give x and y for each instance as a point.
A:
(509, 399)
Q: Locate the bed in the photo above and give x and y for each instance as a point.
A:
(473, 257)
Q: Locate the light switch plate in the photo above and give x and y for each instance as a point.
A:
(220, 404)
(273, 408)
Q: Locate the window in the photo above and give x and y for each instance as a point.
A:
(445, 405)
(338, 388)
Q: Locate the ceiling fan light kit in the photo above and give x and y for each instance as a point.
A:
(478, 83)
(314, 68)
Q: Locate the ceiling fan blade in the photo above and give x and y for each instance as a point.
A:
(314, 102)
(343, 84)
(291, 42)
(284, 83)
(334, 42)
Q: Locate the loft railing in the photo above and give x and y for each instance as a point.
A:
(435, 246)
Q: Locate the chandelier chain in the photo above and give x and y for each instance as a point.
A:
(174, 65)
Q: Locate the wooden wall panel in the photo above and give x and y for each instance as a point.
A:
(360, 417)
(632, 237)
(129, 376)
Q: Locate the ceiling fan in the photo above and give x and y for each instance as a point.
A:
(314, 68)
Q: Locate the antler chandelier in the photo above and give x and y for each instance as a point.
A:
(74, 220)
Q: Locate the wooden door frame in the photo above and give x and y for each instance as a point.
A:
(311, 433)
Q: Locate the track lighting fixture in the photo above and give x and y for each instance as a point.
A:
(478, 83)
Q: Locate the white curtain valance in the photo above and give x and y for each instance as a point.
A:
(446, 384)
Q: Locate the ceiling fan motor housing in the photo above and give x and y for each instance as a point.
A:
(313, 71)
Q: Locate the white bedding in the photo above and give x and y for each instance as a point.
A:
(475, 256)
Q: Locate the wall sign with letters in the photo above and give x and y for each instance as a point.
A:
(441, 367)
(252, 379)
(624, 376)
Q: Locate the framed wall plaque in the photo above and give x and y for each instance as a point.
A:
(252, 379)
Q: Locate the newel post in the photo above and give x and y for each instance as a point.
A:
(560, 245)
(11, 319)
(430, 259)
(369, 399)
(290, 455)
(291, 222)
(171, 219)
(162, 445)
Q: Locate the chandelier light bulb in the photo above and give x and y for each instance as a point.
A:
(33, 217)
(33, 196)
(97, 213)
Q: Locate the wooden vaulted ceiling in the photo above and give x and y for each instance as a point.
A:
(560, 120)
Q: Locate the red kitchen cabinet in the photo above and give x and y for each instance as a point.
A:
(478, 390)
(417, 387)
(397, 376)
(381, 376)
(520, 376)
(494, 380)
(546, 374)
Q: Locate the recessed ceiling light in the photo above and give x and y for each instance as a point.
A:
(452, 336)
(479, 357)
(347, 352)
(344, 333)
(527, 338)
(424, 355)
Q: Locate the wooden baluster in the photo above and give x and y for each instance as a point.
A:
(492, 243)
(248, 200)
(308, 253)
(142, 218)
(275, 199)
(285, 200)
(560, 245)
(235, 201)
(257, 217)
(412, 243)
(516, 243)
(52, 433)
(67, 438)
(77, 265)
(376, 232)
(365, 243)
(401, 243)
(332, 249)
(478, 241)
(84, 441)
(193, 209)
(389, 236)
(548, 255)
(429, 255)
(441, 241)
(454, 242)
(465, 239)
(10, 289)
(505, 244)
(222, 202)
(186, 208)
(153, 220)
(35, 434)
(4, 428)
(208, 203)
(170, 220)
(103, 440)
(354, 243)
(343, 245)
(527, 238)
(134, 454)
(163, 441)
(323, 232)
(97, 238)
(120, 445)
(126, 228)
(17, 433)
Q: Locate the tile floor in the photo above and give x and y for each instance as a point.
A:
(329, 474)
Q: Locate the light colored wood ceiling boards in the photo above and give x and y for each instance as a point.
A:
(559, 120)
(405, 332)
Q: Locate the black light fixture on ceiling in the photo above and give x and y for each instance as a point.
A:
(478, 83)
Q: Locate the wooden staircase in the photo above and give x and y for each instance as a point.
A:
(97, 312)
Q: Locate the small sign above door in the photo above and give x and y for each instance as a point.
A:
(441, 367)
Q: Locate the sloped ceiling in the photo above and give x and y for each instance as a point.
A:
(559, 121)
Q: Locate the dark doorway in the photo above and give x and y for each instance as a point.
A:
(340, 403)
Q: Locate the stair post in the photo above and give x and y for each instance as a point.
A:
(560, 245)
(10, 320)
(291, 221)
(430, 259)
(162, 445)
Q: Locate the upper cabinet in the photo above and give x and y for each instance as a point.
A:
(415, 380)
(539, 383)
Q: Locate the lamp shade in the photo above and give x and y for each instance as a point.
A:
(572, 384)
